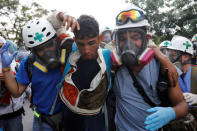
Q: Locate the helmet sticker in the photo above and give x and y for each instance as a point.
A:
(166, 43)
(187, 44)
(38, 37)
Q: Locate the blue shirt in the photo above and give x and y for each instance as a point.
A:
(185, 83)
(130, 106)
(43, 86)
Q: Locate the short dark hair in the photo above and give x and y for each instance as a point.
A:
(89, 27)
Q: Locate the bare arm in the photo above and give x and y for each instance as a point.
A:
(61, 19)
(12, 85)
(68, 21)
(166, 63)
(179, 105)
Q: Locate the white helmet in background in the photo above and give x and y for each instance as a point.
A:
(181, 43)
(194, 38)
(165, 44)
(37, 32)
(105, 29)
(139, 18)
(194, 41)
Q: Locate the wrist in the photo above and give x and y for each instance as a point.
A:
(4, 70)
(173, 114)
(60, 16)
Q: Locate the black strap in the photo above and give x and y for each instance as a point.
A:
(12, 114)
(30, 61)
(140, 89)
(40, 123)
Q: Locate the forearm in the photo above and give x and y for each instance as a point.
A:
(56, 19)
(181, 109)
(12, 85)
(179, 105)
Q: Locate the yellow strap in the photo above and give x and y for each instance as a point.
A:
(39, 66)
(35, 113)
(63, 56)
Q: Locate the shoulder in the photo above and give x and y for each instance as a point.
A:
(23, 64)
(22, 74)
(155, 63)
(24, 61)
(153, 66)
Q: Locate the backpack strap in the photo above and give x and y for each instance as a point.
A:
(140, 89)
(108, 62)
(29, 64)
(194, 79)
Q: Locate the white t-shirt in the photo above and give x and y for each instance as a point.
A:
(15, 103)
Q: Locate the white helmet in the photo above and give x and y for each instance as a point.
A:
(181, 43)
(194, 38)
(129, 23)
(105, 29)
(37, 32)
(165, 44)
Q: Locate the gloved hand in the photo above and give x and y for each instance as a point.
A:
(6, 58)
(190, 98)
(160, 117)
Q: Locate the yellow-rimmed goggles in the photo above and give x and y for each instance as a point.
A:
(133, 15)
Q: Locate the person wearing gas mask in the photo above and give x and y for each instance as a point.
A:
(11, 109)
(180, 50)
(42, 69)
(163, 46)
(180, 53)
(137, 102)
(22, 53)
(105, 35)
(87, 79)
(194, 57)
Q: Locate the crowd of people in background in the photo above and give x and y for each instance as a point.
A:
(99, 80)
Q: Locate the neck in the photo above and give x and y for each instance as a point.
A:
(137, 68)
(185, 68)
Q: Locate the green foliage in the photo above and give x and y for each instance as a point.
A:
(170, 17)
(14, 15)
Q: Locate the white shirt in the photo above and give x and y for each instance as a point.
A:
(15, 103)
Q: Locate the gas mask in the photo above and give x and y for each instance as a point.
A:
(107, 37)
(48, 54)
(175, 57)
(195, 48)
(165, 51)
(132, 47)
